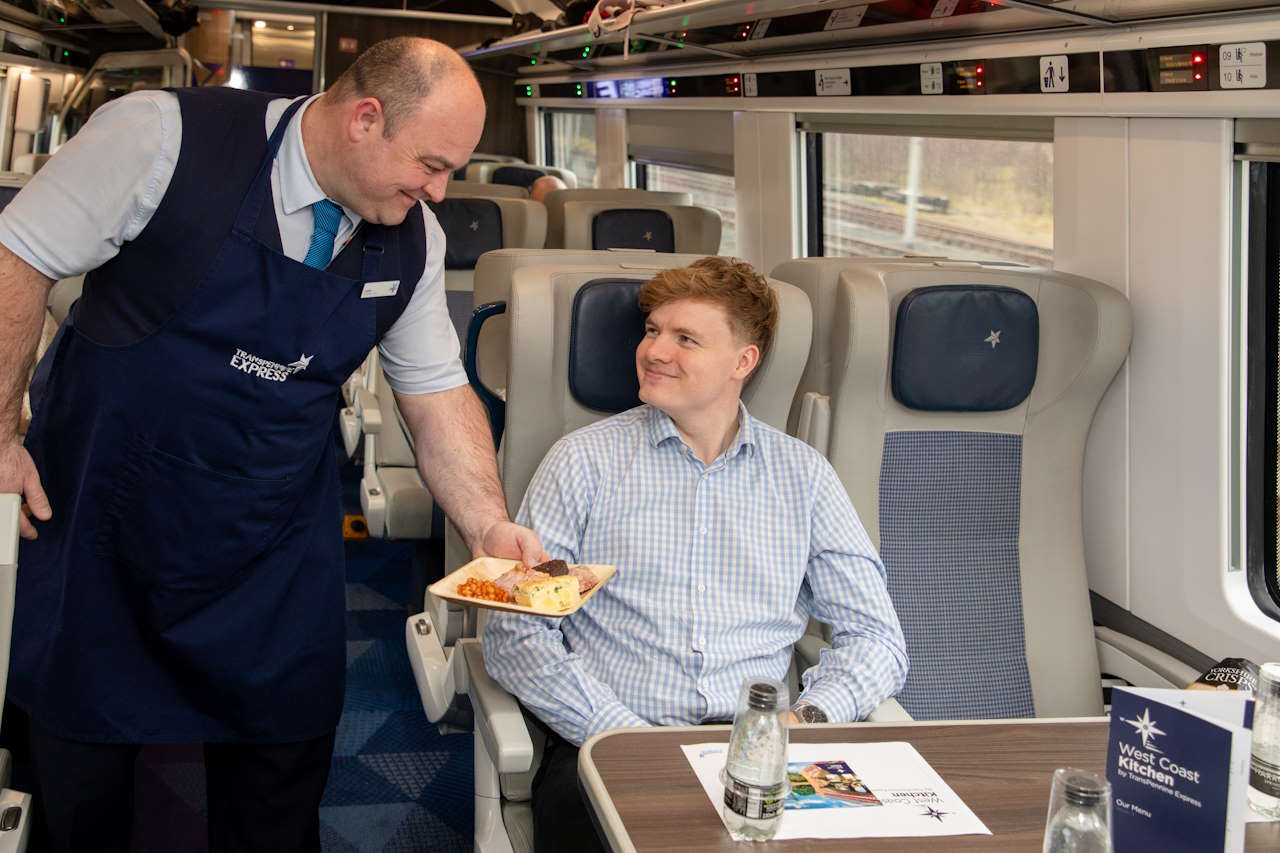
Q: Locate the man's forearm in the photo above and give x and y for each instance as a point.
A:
(24, 293)
(456, 458)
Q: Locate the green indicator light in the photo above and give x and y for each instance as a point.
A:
(65, 54)
(586, 51)
(62, 20)
(528, 90)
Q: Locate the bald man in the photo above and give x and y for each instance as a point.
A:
(182, 563)
(545, 185)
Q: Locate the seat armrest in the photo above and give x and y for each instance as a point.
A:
(1138, 663)
(370, 414)
(814, 427)
(889, 711)
(499, 720)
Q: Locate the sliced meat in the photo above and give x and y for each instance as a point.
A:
(508, 580)
(586, 578)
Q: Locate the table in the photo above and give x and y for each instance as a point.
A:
(647, 798)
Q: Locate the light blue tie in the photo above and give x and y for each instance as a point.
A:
(328, 216)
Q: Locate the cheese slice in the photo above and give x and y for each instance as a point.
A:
(551, 594)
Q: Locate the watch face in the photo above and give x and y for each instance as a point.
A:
(811, 714)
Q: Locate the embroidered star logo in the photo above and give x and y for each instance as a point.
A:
(648, 236)
(475, 225)
(933, 813)
(1146, 728)
(303, 362)
(993, 338)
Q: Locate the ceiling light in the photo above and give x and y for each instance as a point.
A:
(259, 25)
(289, 28)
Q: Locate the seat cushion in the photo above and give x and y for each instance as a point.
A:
(633, 229)
(606, 327)
(965, 348)
(472, 226)
(949, 526)
(516, 176)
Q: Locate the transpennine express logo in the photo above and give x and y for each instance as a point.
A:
(263, 368)
(1146, 728)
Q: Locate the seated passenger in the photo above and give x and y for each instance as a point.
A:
(727, 534)
(539, 189)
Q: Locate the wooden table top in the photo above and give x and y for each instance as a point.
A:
(1002, 771)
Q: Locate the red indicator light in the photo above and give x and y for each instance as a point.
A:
(979, 84)
(1197, 59)
(979, 69)
(1199, 76)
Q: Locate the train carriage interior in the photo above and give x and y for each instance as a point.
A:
(1084, 195)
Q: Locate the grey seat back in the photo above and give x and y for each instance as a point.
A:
(961, 400)
(678, 228)
(541, 404)
(557, 199)
(473, 189)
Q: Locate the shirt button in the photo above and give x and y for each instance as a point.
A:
(702, 587)
(703, 530)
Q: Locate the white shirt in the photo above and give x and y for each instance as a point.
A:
(104, 185)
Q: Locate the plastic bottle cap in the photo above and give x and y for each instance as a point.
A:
(762, 696)
(1082, 791)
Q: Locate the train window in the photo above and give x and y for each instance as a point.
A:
(1262, 476)
(708, 189)
(571, 143)
(984, 199)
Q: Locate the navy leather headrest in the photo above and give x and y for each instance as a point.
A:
(472, 226)
(633, 229)
(515, 176)
(606, 327)
(965, 348)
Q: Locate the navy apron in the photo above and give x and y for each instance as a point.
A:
(190, 584)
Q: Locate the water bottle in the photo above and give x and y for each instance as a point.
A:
(1079, 813)
(755, 774)
(1264, 766)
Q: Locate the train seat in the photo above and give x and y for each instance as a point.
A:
(473, 226)
(393, 498)
(961, 398)
(556, 200)
(517, 174)
(474, 189)
(483, 157)
(819, 278)
(544, 303)
(649, 226)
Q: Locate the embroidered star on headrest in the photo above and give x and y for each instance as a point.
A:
(648, 236)
(475, 225)
(993, 338)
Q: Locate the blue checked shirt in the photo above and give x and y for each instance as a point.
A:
(719, 569)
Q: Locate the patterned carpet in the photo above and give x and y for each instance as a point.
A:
(396, 786)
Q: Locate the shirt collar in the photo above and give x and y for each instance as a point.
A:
(661, 428)
(298, 186)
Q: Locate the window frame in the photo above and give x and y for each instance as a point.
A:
(813, 134)
(1262, 354)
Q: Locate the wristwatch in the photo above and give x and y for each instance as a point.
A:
(809, 713)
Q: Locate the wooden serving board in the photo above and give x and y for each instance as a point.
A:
(491, 568)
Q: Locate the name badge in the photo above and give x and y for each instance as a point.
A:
(376, 289)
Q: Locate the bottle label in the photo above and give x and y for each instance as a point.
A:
(1263, 776)
(752, 801)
